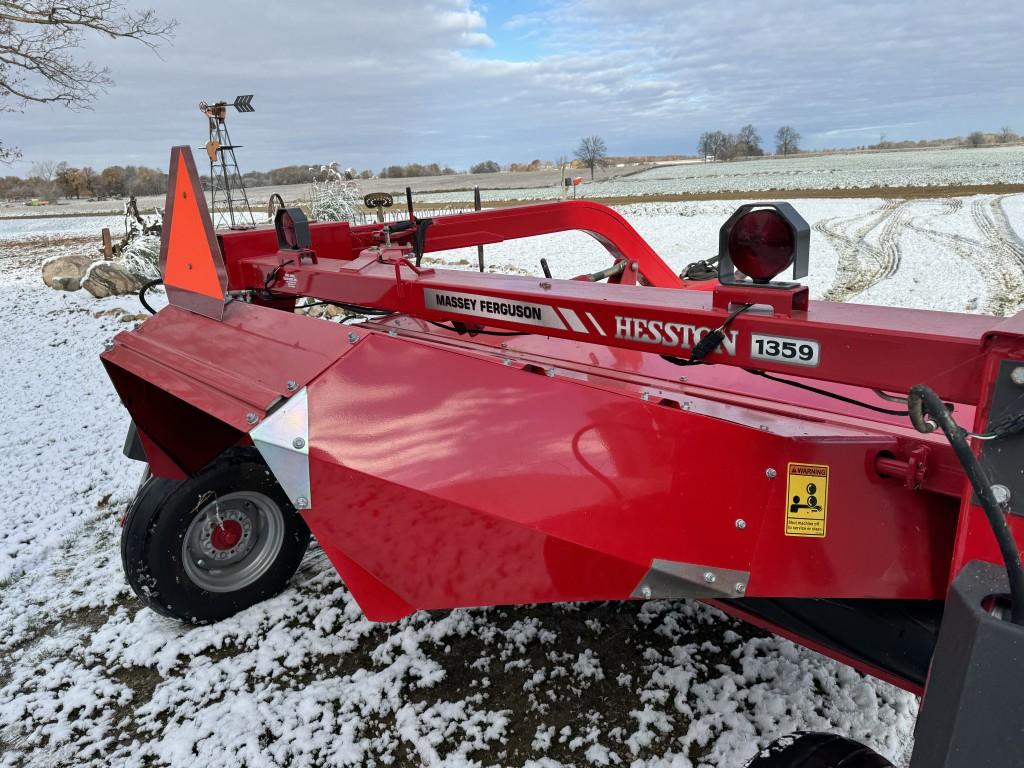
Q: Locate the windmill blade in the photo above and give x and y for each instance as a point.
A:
(244, 103)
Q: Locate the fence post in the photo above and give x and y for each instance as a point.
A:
(108, 245)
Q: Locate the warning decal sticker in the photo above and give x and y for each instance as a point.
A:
(807, 500)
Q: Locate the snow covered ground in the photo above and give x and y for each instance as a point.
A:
(923, 168)
(89, 678)
(905, 168)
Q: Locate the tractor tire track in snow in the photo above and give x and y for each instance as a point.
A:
(861, 264)
(998, 257)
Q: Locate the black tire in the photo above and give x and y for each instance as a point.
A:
(153, 548)
(818, 750)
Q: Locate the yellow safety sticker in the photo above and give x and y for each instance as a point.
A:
(807, 500)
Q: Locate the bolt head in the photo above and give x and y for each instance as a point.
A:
(353, 338)
(1017, 375)
(1002, 494)
(741, 523)
(709, 577)
(770, 473)
(507, 361)
(645, 592)
(298, 443)
(740, 587)
(550, 372)
(292, 385)
(645, 395)
(302, 502)
(251, 417)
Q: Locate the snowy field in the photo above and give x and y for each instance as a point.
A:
(89, 678)
(866, 170)
(933, 168)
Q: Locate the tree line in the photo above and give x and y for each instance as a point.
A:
(746, 142)
(50, 180)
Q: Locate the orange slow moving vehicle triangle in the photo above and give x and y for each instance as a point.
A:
(191, 256)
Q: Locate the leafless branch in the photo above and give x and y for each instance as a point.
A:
(39, 40)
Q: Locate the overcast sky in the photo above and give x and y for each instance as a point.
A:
(453, 81)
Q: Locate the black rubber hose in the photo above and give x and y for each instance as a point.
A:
(923, 402)
(144, 289)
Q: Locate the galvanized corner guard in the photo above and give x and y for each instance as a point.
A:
(283, 441)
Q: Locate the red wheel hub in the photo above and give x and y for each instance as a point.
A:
(226, 535)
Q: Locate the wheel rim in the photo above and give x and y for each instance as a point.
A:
(232, 541)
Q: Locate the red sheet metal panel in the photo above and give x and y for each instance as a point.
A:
(232, 372)
(455, 480)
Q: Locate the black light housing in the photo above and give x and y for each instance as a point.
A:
(761, 240)
(292, 229)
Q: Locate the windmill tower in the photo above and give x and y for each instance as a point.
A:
(229, 205)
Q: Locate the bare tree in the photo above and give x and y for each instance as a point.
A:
(705, 146)
(39, 42)
(748, 141)
(1007, 135)
(787, 140)
(718, 145)
(43, 170)
(592, 153)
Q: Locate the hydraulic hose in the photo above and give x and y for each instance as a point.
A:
(144, 289)
(924, 404)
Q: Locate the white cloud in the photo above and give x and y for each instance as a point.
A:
(414, 81)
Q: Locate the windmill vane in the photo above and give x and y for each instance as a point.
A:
(226, 186)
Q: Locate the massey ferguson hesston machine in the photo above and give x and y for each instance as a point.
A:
(845, 476)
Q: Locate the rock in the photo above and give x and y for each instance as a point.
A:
(65, 273)
(107, 278)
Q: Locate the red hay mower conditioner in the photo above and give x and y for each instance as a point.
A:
(487, 439)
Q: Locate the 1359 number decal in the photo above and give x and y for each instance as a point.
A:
(783, 349)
